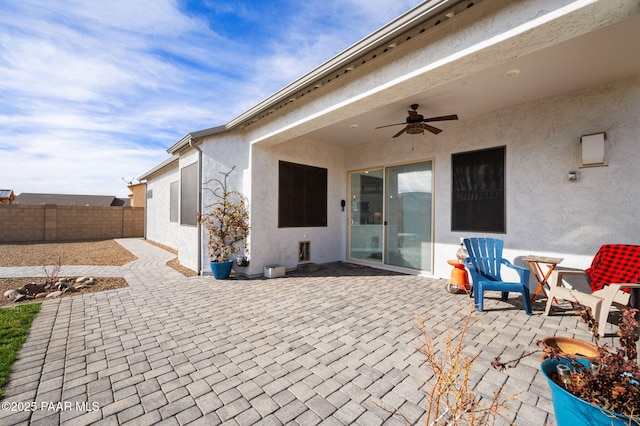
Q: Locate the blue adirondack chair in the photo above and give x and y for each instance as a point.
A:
(484, 263)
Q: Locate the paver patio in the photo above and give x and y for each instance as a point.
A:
(330, 346)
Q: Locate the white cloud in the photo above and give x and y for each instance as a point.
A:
(95, 91)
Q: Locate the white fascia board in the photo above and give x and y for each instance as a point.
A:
(196, 135)
(159, 167)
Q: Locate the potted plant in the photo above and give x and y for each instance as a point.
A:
(607, 391)
(226, 221)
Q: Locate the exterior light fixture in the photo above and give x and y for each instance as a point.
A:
(593, 149)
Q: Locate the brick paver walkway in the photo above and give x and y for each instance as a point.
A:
(331, 346)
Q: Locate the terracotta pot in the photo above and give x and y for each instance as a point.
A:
(570, 348)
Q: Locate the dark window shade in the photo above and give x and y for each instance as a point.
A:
(174, 193)
(478, 191)
(302, 196)
(189, 194)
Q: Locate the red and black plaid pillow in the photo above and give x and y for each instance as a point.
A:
(614, 263)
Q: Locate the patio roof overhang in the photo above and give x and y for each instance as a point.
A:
(579, 45)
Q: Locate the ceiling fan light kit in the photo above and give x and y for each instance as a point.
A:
(414, 129)
(415, 123)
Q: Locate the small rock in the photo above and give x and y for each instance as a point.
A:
(10, 294)
(79, 286)
(41, 295)
(62, 286)
(81, 279)
(23, 297)
(54, 294)
(63, 280)
(90, 281)
(69, 289)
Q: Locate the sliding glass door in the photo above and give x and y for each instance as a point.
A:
(408, 207)
(391, 216)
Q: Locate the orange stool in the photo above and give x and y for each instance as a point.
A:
(459, 277)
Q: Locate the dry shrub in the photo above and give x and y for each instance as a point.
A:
(452, 400)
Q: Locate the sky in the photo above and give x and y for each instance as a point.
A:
(92, 93)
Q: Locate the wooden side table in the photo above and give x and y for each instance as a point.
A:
(535, 263)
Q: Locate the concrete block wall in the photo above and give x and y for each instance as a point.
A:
(50, 222)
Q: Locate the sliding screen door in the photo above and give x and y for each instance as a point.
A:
(366, 227)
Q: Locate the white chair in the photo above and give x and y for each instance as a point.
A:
(613, 262)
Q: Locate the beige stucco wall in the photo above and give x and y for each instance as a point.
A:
(221, 154)
(547, 214)
(138, 194)
(158, 226)
(279, 246)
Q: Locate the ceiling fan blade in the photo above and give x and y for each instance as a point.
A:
(400, 132)
(389, 125)
(443, 118)
(432, 129)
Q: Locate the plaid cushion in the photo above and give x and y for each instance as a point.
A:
(614, 263)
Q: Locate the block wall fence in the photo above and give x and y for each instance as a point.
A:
(51, 222)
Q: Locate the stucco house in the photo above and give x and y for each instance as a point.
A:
(7, 196)
(544, 153)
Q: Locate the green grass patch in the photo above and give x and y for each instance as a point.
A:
(14, 328)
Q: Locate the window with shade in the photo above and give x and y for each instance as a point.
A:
(189, 194)
(302, 195)
(174, 192)
(478, 191)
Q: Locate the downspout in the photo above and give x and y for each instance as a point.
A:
(199, 201)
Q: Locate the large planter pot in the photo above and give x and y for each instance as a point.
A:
(573, 411)
(221, 270)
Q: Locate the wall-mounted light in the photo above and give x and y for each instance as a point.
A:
(593, 149)
(573, 175)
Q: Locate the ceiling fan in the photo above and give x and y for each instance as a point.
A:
(415, 123)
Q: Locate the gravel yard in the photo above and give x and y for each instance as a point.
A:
(106, 252)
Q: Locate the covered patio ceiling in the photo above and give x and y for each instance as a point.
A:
(607, 54)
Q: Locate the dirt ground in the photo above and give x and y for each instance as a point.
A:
(106, 252)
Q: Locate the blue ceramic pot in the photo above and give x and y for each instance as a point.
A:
(221, 270)
(573, 411)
